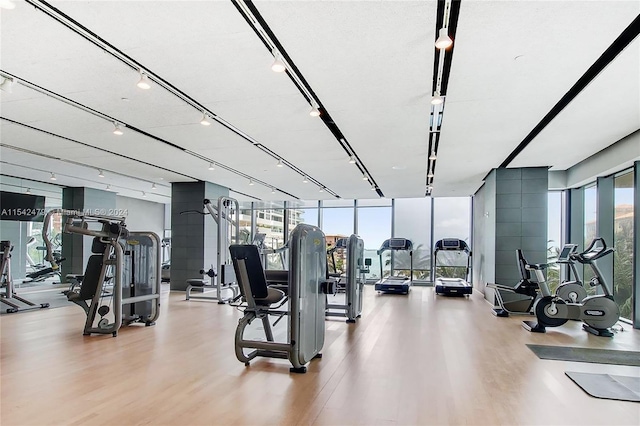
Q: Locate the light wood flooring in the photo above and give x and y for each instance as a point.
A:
(410, 360)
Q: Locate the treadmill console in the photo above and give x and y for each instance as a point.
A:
(397, 243)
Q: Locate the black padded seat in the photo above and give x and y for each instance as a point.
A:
(196, 282)
(273, 296)
(261, 293)
(92, 273)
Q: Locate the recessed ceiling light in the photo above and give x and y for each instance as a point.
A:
(398, 167)
(124, 99)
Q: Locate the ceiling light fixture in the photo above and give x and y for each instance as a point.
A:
(443, 41)
(7, 4)
(373, 187)
(211, 166)
(437, 99)
(365, 177)
(143, 83)
(352, 159)
(28, 190)
(204, 120)
(144, 194)
(100, 173)
(432, 156)
(153, 187)
(321, 190)
(280, 163)
(7, 85)
(430, 175)
(108, 187)
(278, 65)
(250, 182)
(273, 190)
(315, 112)
(117, 129)
(53, 176)
(305, 180)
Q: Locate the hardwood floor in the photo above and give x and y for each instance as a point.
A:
(410, 360)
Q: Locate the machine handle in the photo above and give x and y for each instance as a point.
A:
(597, 249)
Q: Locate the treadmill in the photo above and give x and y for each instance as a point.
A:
(399, 283)
(454, 286)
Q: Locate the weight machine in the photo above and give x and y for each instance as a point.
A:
(121, 282)
(223, 277)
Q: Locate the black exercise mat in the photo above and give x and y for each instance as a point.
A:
(608, 386)
(598, 356)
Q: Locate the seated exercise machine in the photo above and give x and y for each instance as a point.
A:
(452, 286)
(395, 283)
(529, 290)
(132, 259)
(305, 303)
(9, 297)
(599, 312)
(222, 279)
(352, 282)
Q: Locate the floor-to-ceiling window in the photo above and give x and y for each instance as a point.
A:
(374, 226)
(623, 242)
(412, 220)
(452, 219)
(590, 230)
(337, 219)
(269, 219)
(554, 237)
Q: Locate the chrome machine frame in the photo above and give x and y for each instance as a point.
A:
(355, 279)
(113, 228)
(228, 234)
(306, 304)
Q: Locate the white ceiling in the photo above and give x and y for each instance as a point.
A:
(369, 63)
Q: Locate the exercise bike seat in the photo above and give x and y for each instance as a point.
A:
(273, 296)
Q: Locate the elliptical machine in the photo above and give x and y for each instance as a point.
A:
(599, 312)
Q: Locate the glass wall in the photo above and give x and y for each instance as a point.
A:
(412, 220)
(374, 226)
(337, 219)
(452, 219)
(623, 242)
(590, 230)
(554, 237)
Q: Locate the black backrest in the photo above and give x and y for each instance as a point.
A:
(525, 274)
(93, 270)
(257, 281)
